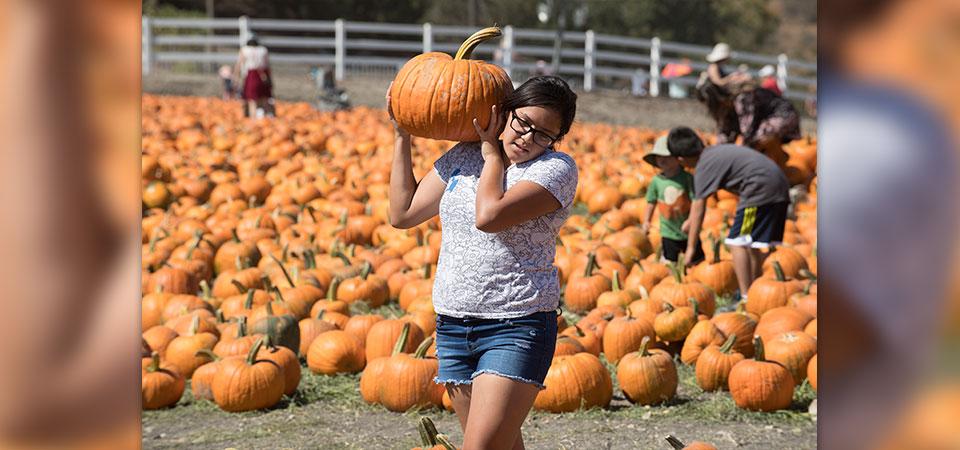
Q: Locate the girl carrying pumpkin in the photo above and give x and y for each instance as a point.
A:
(501, 202)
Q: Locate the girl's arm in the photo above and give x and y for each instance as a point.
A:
(497, 210)
(411, 203)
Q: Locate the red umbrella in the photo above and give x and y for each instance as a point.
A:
(673, 70)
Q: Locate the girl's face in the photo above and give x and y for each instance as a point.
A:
(529, 131)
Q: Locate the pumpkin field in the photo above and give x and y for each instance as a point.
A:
(280, 308)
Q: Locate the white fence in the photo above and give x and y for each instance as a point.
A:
(587, 59)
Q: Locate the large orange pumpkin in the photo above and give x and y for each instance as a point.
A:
(436, 96)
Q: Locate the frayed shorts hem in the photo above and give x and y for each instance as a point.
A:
(539, 385)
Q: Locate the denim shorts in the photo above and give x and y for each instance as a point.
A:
(520, 349)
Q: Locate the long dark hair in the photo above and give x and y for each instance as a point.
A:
(547, 92)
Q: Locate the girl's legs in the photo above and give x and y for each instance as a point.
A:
(460, 397)
(497, 412)
(251, 108)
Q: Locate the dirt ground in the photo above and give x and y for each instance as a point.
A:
(607, 106)
(328, 413)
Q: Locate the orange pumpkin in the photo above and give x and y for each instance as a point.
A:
(435, 96)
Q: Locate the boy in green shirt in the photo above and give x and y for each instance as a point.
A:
(670, 192)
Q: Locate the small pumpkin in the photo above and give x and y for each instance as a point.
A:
(715, 363)
(648, 377)
(334, 352)
(574, 382)
(760, 385)
(160, 387)
(246, 384)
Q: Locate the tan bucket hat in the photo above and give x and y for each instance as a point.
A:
(659, 149)
(720, 52)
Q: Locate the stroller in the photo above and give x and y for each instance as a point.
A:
(330, 97)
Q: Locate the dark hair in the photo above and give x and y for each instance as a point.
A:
(548, 92)
(684, 142)
(253, 42)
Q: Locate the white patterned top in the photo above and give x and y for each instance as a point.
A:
(499, 275)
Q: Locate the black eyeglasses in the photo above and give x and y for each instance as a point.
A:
(523, 127)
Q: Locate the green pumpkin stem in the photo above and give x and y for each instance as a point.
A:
(205, 290)
(758, 348)
(343, 257)
(779, 271)
(806, 289)
(466, 49)
(241, 327)
(284, 270)
(728, 344)
(219, 316)
(716, 248)
(154, 362)
(365, 271)
(591, 264)
(616, 281)
(252, 356)
(695, 305)
(426, 271)
(193, 247)
(248, 302)
(321, 313)
(194, 325)
(236, 238)
(206, 352)
(443, 440)
(332, 291)
(677, 444)
(402, 339)
(422, 348)
(644, 344)
(240, 287)
(425, 438)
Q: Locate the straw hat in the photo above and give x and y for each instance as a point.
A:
(720, 52)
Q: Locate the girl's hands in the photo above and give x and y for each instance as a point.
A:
(491, 134)
(401, 133)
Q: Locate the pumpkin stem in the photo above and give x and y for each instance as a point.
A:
(194, 325)
(321, 313)
(198, 235)
(219, 316)
(241, 327)
(808, 275)
(675, 443)
(695, 305)
(428, 440)
(154, 362)
(248, 302)
(238, 263)
(205, 289)
(616, 281)
(344, 258)
(426, 271)
(669, 307)
(402, 339)
(236, 238)
(422, 348)
(716, 248)
(240, 287)
(806, 289)
(778, 271)
(643, 292)
(466, 49)
(644, 343)
(443, 440)
(365, 271)
(252, 356)
(343, 219)
(208, 354)
(332, 291)
(591, 264)
(728, 344)
(276, 292)
(676, 268)
(284, 270)
(758, 348)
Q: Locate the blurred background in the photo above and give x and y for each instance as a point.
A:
(888, 109)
